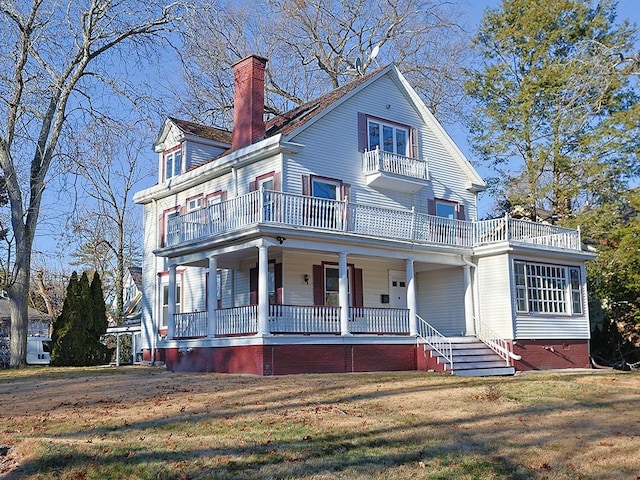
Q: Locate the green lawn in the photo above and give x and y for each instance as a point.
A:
(147, 423)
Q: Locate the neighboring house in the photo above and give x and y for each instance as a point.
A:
(343, 236)
(39, 323)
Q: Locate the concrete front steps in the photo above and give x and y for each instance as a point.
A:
(471, 358)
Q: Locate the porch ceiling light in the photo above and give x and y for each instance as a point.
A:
(306, 278)
(280, 240)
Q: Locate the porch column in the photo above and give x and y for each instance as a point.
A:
(343, 293)
(412, 304)
(171, 307)
(468, 302)
(263, 291)
(212, 298)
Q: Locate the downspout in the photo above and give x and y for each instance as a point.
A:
(234, 180)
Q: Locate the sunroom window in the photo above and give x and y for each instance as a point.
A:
(547, 289)
(387, 137)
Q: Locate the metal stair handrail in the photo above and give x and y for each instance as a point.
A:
(492, 340)
(437, 341)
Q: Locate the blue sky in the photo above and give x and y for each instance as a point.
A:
(627, 9)
(49, 253)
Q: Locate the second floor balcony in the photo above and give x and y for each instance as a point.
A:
(392, 171)
(271, 208)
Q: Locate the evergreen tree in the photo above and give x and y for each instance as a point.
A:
(80, 326)
(557, 119)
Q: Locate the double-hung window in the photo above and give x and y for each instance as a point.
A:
(388, 137)
(164, 320)
(172, 164)
(547, 289)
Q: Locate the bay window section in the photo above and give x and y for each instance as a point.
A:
(547, 289)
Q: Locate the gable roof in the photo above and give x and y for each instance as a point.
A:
(294, 119)
(202, 131)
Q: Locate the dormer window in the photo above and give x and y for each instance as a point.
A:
(172, 163)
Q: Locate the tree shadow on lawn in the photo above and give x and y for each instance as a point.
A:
(467, 446)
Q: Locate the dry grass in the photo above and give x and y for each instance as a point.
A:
(147, 423)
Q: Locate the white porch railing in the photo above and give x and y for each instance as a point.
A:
(499, 345)
(270, 207)
(379, 320)
(237, 320)
(436, 341)
(377, 160)
(190, 324)
(304, 319)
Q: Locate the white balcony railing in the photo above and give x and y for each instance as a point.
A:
(311, 213)
(379, 161)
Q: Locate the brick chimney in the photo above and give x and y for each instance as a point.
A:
(248, 102)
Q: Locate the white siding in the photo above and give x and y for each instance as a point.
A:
(440, 296)
(198, 154)
(375, 273)
(494, 291)
(331, 150)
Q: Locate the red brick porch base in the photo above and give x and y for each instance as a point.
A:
(291, 359)
(551, 354)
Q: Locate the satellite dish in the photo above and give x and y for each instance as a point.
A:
(374, 52)
(359, 65)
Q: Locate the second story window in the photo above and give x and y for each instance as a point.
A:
(194, 203)
(388, 137)
(172, 164)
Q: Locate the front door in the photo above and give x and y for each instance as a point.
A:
(397, 289)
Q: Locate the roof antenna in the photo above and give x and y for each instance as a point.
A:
(374, 54)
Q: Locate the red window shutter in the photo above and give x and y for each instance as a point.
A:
(318, 285)
(362, 132)
(413, 143)
(431, 206)
(306, 185)
(253, 286)
(358, 288)
(277, 182)
(277, 273)
(461, 214)
(346, 192)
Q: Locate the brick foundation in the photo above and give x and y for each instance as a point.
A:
(551, 354)
(292, 359)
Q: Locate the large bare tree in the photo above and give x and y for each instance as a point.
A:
(314, 46)
(57, 60)
(110, 164)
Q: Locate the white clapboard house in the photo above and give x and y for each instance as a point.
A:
(343, 236)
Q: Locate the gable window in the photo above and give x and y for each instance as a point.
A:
(172, 163)
(547, 289)
(388, 137)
